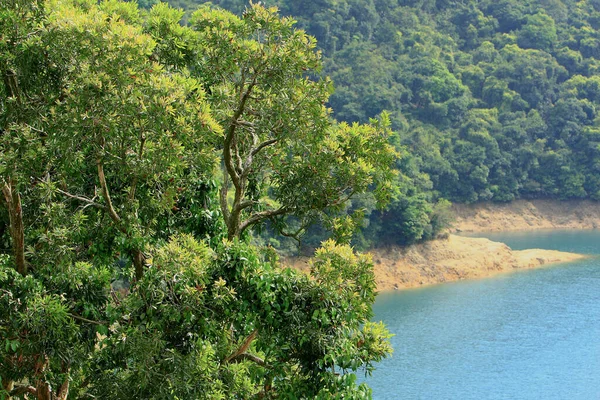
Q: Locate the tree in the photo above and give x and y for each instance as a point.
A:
(538, 33)
(281, 153)
(109, 140)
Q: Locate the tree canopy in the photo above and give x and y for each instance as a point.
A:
(501, 93)
(135, 155)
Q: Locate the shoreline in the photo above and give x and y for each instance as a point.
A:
(447, 260)
(458, 258)
(526, 215)
(454, 259)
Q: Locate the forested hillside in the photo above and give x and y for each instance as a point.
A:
(491, 99)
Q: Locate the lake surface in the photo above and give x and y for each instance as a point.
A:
(532, 334)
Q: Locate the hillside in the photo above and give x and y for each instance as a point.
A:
(491, 100)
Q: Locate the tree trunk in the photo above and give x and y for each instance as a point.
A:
(139, 263)
(233, 226)
(43, 390)
(17, 231)
(63, 390)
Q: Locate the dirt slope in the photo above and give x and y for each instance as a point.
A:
(457, 257)
(527, 215)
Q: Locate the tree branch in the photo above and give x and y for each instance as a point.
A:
(246, 204)
(223, 196)
(238, 159)
(23, 389)
(109, 207)
(241, 122)
(229, 137)
(135, 177)
(90, 202)
(264, 144)
(261, 216)
(250, 357)
(344, 199)
(12, 84)
(17, 230)
(293, 235)
(89, 321)
(137, 255)
(254, 151)
(36, 130)
(242, 349)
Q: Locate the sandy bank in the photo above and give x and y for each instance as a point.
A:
(527, 215)
(450, 259)
(454, 259)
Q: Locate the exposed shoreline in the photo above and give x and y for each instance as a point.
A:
(452, 259)
(522, 215)
(457, 257)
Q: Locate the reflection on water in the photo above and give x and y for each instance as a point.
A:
(534, 334)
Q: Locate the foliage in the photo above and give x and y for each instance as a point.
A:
(130, 273)
(503, 92)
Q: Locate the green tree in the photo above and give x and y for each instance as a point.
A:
(281, 154)
(110, 142)
(538, 33)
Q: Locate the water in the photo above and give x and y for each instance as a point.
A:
(533, 334)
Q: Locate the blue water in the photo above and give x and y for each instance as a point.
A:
(532, 334)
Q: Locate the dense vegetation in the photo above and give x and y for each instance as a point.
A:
(491, 99)
(136, 155)
(144, 154)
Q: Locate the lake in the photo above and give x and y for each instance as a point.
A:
(532, 334)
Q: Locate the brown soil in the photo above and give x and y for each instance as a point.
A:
(526, 215)
(457, 257)
(450, 259)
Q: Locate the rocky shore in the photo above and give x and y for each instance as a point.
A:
(456, 257)
(526, 215)
(451, 259)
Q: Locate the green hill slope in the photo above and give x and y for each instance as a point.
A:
(491, 100)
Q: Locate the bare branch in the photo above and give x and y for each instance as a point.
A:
(250, 357)
(240, 354)
(294, 235)
(90, 202)
(241, 122)
(242, 349)
(36, 130)
(254, 151)
(264, 144)
(89, 321)
(261, 216)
